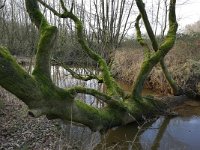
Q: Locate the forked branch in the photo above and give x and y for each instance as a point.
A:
(141, 41)
(101, 96)
(46, 42)
(172, 83)
(167, 44)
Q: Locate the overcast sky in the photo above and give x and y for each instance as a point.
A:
(187, 13)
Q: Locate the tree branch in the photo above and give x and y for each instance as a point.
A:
(175, 88)
(101, 96)
(141, 40)
(170, 38)
(112, 87)
(52, 102)
(79, 76)
(16, 80)
(3, 4)
(168, 43)
(63, 6)
(49, 7)
(141, 7)
(82, 77)
(46, 42)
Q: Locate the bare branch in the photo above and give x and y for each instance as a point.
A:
(63, 6)
(127, 18)
(3, 4)
(82, 77)
(79, 76)
(141, 7)
(140, 39)
(49, 7)
(101, 96)
(72, 6)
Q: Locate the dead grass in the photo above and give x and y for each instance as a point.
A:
(183, 62)
(126, 64)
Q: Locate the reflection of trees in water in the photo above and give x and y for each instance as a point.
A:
(64, 79)
(170, 142)
(159, 136)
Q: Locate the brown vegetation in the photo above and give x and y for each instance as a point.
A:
(183, 62)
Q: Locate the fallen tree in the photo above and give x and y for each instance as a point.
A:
(43, 97)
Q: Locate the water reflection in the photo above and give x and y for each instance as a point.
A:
(176, 133)
(180, 133)
(64, 79)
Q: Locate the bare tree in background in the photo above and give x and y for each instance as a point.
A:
(17, 32)
(111, 23)
(193, 28)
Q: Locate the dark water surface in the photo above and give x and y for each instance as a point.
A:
(178, 133)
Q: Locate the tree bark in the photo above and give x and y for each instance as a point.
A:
(161, 50)
(176, 90)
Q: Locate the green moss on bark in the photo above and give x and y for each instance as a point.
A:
(44, 50)
(161, 51)
(16, 80)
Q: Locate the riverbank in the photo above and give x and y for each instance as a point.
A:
(183, 62)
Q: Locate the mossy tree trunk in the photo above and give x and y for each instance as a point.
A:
(44, 98)
(154, 44)
(175, 88)
(152, 58)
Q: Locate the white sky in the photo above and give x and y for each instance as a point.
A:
(187, 13)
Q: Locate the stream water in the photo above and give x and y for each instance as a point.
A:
(163, 133)
(179, 133)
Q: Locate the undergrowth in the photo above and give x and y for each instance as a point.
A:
(183, 62)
